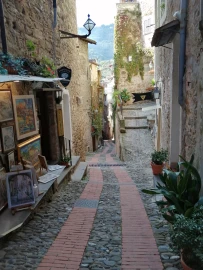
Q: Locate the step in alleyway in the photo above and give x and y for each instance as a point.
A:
(97, 223)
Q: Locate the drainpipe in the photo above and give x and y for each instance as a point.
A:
(55, 14)
(201, 18)
(3, 32)
(183, 25)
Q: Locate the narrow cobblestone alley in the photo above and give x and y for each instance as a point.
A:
(99, 222)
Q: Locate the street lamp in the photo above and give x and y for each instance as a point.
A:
(89, 25)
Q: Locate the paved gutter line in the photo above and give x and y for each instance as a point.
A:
(139, 249)
(68, 248)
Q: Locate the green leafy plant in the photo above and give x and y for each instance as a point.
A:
(162, 6)
(47, 67)
(125, 95)
(30, 45)
(180, 189)
(97, 124)
(153, 83)
(65, 159)
(119, 96)
(159, 157)
(187, 236)
(125, 46)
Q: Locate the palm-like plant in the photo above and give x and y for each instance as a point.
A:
(180, 189)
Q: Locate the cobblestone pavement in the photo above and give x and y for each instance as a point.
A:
(99, 222)
(138, 145)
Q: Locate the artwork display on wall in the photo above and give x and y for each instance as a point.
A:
(8, 138)
(3, 192)
(6, 111)
(20, 189)
(25, 116)
(29, 150)
(11, 160)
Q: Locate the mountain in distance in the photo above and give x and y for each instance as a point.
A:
(104, 36)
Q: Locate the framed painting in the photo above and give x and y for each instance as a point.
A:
(3, 192)
(25, 116)
(6, 111)
(29, 150)
(20, 189)
(8, 138)
(11, 160)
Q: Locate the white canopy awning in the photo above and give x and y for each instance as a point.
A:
(12, 78)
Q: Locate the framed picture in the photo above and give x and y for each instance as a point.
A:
(3, 192)
(25, 116)
(11, 159)
(20, 189)
(6, 112)
(8, 138)
(30, 150)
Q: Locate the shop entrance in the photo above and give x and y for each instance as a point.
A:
(46, 109)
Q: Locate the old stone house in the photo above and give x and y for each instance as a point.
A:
(97, 104)
(134, 25)
(178, 72)
(33, 21)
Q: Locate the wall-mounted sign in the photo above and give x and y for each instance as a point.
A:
(65, 73)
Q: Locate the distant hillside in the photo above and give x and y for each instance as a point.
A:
(104, 36)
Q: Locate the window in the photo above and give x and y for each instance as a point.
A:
(147, 26)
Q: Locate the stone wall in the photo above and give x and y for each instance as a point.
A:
(135, 35)
(32, 20)
(191, 127)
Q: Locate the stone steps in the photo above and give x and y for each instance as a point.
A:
(79, 172)
(134, 117)
(137, 127)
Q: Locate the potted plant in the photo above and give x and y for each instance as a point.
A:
(65, 161)
(187, 236)
(125, 96)
(158, 159)
(119, 96)
(181, 191)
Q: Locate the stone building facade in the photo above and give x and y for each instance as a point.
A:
(133, 54)
(182, 126)
(33, 20)
(97, 103)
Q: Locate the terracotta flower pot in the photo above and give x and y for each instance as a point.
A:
(157, 169)
(184, 265)
(63, 163)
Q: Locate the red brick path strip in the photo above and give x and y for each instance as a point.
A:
(67, 250)
(139, 249)
(109, 159)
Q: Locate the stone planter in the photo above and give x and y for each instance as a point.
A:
(157, 169)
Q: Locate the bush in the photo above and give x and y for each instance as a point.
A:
(187, 235)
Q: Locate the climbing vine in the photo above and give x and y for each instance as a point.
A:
(127, 44)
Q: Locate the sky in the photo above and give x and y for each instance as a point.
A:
(101, 11)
